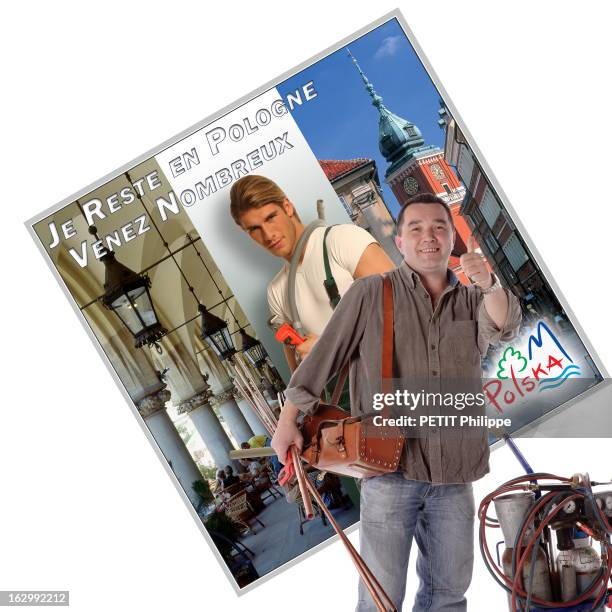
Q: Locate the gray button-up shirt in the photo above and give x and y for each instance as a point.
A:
(429, 345)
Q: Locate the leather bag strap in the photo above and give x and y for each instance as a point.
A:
(335, 398)
(387, 345)
(387, 339)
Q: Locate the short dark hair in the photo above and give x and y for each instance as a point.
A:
(422, 198)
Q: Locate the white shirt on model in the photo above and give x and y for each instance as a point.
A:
(345, 246)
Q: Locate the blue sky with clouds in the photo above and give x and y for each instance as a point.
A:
(341, 123)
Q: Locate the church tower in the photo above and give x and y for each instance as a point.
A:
(415, 167)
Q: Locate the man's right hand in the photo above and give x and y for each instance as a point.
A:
(287, 433)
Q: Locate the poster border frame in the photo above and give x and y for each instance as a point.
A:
(480, 160)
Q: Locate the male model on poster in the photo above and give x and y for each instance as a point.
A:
(262, 209)
(442, 329)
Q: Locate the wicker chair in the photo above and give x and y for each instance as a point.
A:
(240, 511)
(235, 488)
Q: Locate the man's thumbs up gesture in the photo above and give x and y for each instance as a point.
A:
(474, 267)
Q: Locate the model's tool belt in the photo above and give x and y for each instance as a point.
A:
(354, 446)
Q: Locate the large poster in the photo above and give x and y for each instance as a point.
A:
(159, 255)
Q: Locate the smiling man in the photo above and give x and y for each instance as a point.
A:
(262, 209)
(441, 330)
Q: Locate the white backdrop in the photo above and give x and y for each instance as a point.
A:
(86, 505)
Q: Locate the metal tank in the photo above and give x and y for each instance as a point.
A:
(582, 561)
(511, 511)
(540, 587)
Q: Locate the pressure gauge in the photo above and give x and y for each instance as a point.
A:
(569, 507)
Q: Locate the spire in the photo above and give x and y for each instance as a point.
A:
(398, 139)
(376, 99)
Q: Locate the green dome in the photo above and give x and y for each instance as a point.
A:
(396, 136)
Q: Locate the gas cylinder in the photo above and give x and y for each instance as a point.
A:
(583, 559)
(541, 578)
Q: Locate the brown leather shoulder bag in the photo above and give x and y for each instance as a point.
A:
(354, 446)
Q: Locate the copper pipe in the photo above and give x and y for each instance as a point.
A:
(301, 478)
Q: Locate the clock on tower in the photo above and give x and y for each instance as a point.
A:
(411, 186)
(437, 171)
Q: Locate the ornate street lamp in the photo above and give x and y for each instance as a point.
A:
(216, 334)
(253, 349)
(127, 294)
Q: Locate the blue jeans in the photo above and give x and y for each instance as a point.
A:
(441, 519)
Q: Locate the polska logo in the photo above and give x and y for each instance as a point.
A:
(518, 375)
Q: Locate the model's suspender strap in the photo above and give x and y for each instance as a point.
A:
(330, 282)
(293, 266)
(334, 297)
